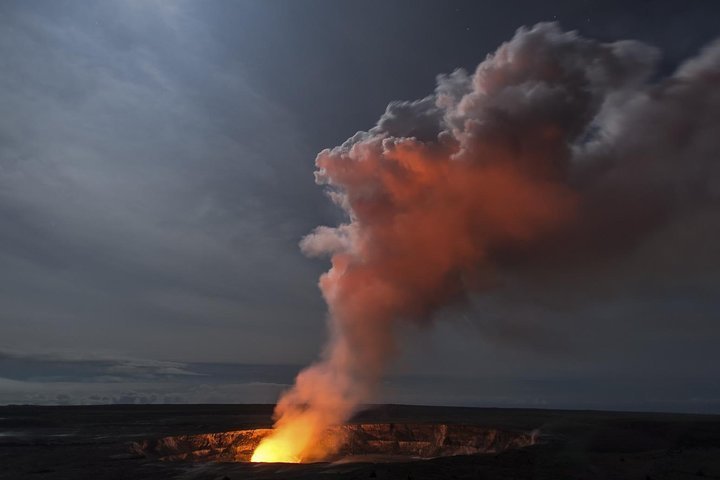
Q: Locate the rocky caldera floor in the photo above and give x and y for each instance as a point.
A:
(386, 441)
(203, 442)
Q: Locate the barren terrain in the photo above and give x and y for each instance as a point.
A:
(163, 442)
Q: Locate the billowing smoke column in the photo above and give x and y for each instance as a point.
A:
(557, 149)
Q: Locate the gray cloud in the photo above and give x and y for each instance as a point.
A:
(126, 170)
(51, 378)
(76, 393)
(62, 365)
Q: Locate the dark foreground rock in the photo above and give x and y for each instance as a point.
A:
(139, 442)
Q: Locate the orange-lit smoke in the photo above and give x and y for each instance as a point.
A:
(413, 245)
(437, 195)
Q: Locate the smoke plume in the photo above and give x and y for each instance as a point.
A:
(558, 149)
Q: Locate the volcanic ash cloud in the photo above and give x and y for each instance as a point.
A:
(557, 149)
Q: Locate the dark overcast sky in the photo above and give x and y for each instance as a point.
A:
(156, 164)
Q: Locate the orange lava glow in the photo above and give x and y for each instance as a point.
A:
(288, 443)
(274, 450)
(295, 439)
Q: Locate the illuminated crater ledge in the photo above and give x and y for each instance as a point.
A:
(358, 442)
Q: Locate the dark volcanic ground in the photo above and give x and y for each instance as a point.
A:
(95, 443)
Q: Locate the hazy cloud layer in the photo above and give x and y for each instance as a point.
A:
(57, 379)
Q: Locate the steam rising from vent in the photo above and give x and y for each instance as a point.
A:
(557, 149)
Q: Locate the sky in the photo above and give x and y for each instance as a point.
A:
(156, 178)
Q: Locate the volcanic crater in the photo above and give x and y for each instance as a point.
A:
(375, 442)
